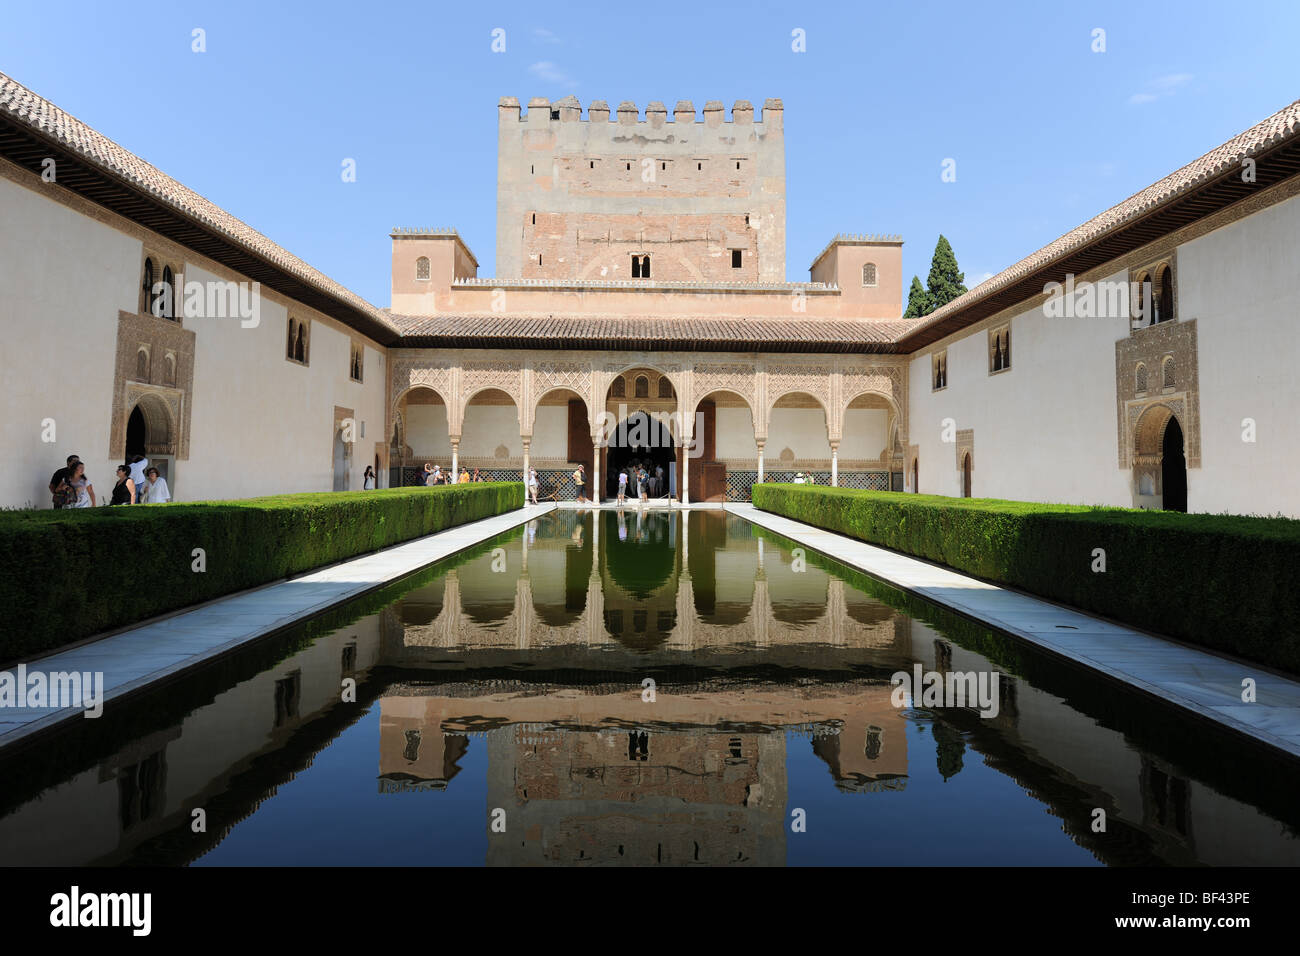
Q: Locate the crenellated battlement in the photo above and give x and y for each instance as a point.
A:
(568, 110)
(423, 232)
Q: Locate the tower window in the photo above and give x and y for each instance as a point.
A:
(735, 258)
(534, 219)
(869, 274)
(640, 267)
(422, 267)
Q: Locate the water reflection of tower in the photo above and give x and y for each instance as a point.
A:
(639, 797)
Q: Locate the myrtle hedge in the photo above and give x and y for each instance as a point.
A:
(67, 574)
(1222, 581)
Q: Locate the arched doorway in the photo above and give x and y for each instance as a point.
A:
(916, 480)
(1173, 468)
(1159, 463)
(645, 440)
(965, 475)
(149, 433)
(340, 461)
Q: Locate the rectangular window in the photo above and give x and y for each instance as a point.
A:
(939, 370)
(735, 258)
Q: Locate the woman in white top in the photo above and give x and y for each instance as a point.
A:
(155, 491)
(532, 484)
(368, 479)
(82, 486)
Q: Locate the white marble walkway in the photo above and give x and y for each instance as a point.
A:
(1199, 681)
(166, 646)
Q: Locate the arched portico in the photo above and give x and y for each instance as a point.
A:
(755, 401)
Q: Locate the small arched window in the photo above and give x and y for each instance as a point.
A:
(642, 387)
(1144, 308)
(169, 293)
(142, 365)
(300, 344)
(1168, 372)
(619, 389)
(422, 267)
(169, 370)
(1165, 308)
(665, 388)
(869, 274)
(1140, 377)
(146, 289)
(293, 337)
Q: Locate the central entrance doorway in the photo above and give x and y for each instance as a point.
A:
(641, 439)
(1173, 468)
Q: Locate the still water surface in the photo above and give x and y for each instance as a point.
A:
(500, 716)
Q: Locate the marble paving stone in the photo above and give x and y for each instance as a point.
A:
(1196, 680)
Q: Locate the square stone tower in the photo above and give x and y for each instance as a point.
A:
(694, 199)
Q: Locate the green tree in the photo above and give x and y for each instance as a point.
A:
(946, 281)
(917, 301)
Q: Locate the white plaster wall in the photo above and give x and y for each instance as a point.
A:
(735, 438)
(63, 278)
(802, 430)
(865, 433)
(1242, 285)
(263, 425)
(488, 426)
(259, 424)
(427, 434)
(550, 432)
(1044, 431)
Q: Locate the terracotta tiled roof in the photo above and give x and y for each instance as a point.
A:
(22, 106)
(636, 332)
(1281, 126)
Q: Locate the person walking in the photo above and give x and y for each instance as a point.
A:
(124, 490)
(137, 464)
(622, 488)
(83, 490)
(61, 490)
(580, 479)
(532, 484)
(156, 491)
(367, 479)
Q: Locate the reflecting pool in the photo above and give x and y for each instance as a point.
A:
(642, 688)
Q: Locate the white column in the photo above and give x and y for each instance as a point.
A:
(455, 458)
(595, 478)
(527, 442)
(835, 464)
(761, 444)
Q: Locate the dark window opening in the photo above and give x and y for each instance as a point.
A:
(735, 258)
(555, 114)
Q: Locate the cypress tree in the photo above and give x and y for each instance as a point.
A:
(946, 281)
(917, 301)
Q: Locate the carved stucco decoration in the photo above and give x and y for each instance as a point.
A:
(166, 397)
(814, 380)
(1151, 345)
(410, 373)
(966, 446)
(888, 381)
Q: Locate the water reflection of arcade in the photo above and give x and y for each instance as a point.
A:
(666, 584)
(584, 778)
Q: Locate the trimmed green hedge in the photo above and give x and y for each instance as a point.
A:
(65, 575)
(1221, 581)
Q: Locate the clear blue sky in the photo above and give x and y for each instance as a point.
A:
(1045, 132)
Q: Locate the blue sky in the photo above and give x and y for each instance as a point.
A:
(1045, 132)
